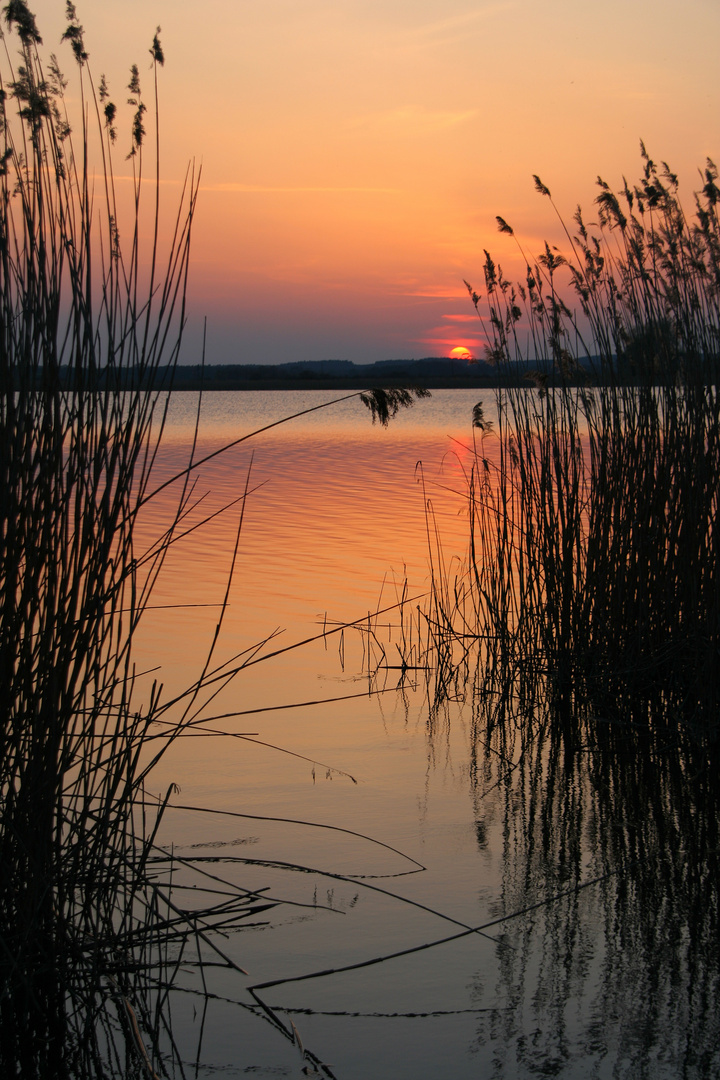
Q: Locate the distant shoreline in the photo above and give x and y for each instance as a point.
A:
(339, 375)
(434, 373)
(431, 373)
(349, 384)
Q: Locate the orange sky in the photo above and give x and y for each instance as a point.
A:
(355, 152)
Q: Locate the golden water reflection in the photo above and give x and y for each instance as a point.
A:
(594, 871)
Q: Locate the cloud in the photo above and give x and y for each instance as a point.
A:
(146, 180)
(450, 343)
(462, 20)
(433, 292)
(250, 189)
(450, 31)
(415, 120)
(458, 335)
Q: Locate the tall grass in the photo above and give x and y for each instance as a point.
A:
(591, 582)
(91, 935)
(76, 905)
(581, 633)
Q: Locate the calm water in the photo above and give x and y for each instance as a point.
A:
(588, 967)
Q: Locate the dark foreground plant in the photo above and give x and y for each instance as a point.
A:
(592, 583)
(581, 634)
(90, 933)
(74, 470)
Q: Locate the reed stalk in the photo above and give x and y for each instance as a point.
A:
(78, 913)
(91, 934)
(591, 581)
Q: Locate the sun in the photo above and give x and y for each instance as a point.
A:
(461, 353)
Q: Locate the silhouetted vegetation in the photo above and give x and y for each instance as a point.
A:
(587, 616)
(433, 372)
(91, 932)
(581, 632)
(591, 587)
(82, 966)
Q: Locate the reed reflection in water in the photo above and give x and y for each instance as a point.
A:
(617, 975)
(594, 865)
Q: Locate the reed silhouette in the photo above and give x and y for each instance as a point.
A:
(582, 633)
(91, 931)
(591, 584)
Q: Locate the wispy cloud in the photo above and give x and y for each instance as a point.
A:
(449, 343)
(462, 20)
(290, 189)
(151, 180)
(450, 333)
(433, 292)
(452, 30)
(415, 120)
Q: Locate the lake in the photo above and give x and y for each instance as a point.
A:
(437, 903)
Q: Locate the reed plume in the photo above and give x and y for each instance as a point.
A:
(591, 580)
(84, 927)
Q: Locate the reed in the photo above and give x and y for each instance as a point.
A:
(78, 913)
(591, 582)
(91, 929)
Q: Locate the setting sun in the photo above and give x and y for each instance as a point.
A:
(461, 353)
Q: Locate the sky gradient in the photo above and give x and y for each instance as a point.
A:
(355, 152)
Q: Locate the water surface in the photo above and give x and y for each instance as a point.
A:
(585, 967)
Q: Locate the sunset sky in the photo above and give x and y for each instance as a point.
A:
(355, 152)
